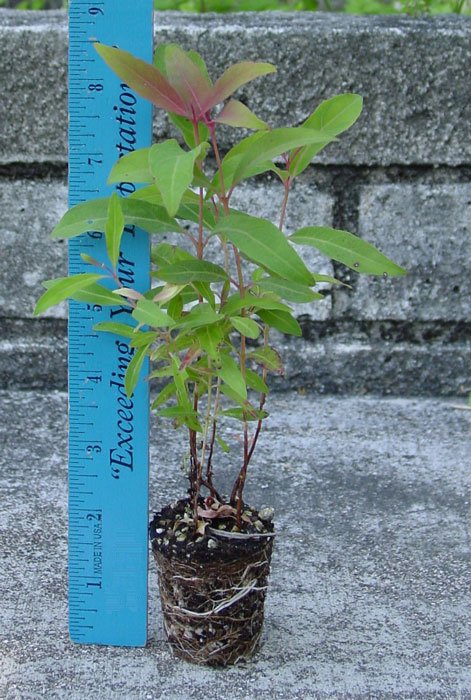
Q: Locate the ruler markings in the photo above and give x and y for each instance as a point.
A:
(104, 510)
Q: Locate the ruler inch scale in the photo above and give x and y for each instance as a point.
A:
(108, 432)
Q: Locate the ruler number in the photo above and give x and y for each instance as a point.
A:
(97, 161)
(93, 449)
(95, 11)
(95, 87)
(97, 379)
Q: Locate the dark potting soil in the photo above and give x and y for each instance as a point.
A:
(173, 534)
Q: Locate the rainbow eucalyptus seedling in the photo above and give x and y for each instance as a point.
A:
(205, 322)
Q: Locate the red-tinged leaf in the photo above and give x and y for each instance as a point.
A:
(190, 355)
(168, 292)
(128, 293)
(144, 78)
(235, 113)
(187, 78)
(233, 78)
(223, 511)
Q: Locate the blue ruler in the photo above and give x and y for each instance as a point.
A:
(108, 443)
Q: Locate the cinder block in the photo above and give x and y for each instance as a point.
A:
(427, 230)
(33, 70)
(417, 106)
(31, 208)
(340, 365)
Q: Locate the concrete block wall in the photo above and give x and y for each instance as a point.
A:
(401, 178)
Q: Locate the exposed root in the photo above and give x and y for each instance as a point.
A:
(213, 611)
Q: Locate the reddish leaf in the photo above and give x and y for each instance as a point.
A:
(233, 78)
(144, 78)
(187, 78)
(235, 113)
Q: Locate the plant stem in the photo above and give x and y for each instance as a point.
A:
(208, 415)
(224, 198)
(287, 187)
(209, 466)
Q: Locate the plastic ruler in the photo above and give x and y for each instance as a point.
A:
(108, 443)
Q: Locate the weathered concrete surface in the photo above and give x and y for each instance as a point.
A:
(29, 256)
(426, 229)
(406, 336)
(417, 106)
(370, 585)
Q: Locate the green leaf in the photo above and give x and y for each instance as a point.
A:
(230, 373)
(143, 338)
(97, 294)
(165, 254)
(273, 143)
(144, 78)
(233, 78)
(187, 414)
(348, 249)
(244, 414)
(192, 271)
(93, 215)
(246, 326)
(175, 307)
(263, 243)
(282, 321)
(254, 381)
(200, 315)
(236, 114)
(289, 290)
(134, 369)
(210, 337)
(186, 129)
(162, 372)
(114, 228)
(206, 292)
(179, 377)
(267, 357)
(188, 209)
(236, 303)
(333, 116)
(222, 444)
(133, 167)
(63, 288)
(115, 328)
(164, 395)
(172, 169)
(148, 313)
(336, 114)
(234, 396)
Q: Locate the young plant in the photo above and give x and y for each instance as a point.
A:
(206, 324)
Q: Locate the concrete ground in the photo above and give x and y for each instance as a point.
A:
(371, 582)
